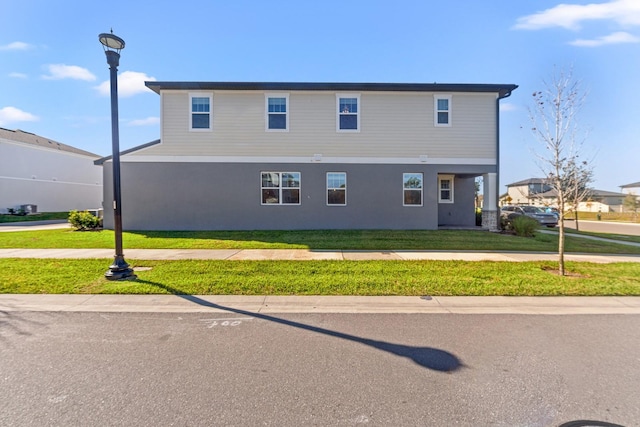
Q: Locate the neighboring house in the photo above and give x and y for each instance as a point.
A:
(245, 156)
(540, 192)
(52, 176)
(532, 191)
(603, 201)
(633, 188)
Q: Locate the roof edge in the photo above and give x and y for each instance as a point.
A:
(503, 90)
(102, 160)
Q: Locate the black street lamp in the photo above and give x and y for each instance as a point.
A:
(112, 47)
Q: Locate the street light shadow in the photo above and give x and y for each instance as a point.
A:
(427, 357)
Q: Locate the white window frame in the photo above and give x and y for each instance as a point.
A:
(336, 189)
(266, 111)
(191, 112)
(436, 98)
(339, 113)
(279, 188)
(451, 179)
(413, 189)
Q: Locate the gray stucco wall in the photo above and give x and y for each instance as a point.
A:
(227, 196)
(461, 212)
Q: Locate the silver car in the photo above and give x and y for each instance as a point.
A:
(543, 218)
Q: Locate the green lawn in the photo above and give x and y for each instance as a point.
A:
(321, 278)
(316, 240)
(318, 277)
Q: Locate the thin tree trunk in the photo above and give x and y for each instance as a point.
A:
(561, 236)
(576, 217)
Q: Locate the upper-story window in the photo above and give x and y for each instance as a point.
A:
(412, 187)
(277, 109)
(200, 107)
(442, 110)
(348, 112)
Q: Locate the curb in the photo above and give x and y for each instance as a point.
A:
(260, 304)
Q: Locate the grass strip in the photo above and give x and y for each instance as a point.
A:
(437, 278)
(310, 239)
(44, 216)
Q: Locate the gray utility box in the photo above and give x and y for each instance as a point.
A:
(29, 209)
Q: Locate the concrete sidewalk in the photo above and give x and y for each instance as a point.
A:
(305, 254)
(247, 305)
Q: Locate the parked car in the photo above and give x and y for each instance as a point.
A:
(553, 211)
(543, 218)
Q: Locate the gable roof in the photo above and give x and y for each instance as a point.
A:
(604, 193)
(529, 181)
(40, 141)
(632, 185)
(503, 90)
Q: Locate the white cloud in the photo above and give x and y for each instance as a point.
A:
(615, 38)
(145, 122)
(12, 115)
(129, 83)
(16, 46)
(18, 75)
(570, 16)
(62, 71)
(506, 106)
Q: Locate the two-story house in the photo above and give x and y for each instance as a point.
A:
(532, 191)
(244, 156)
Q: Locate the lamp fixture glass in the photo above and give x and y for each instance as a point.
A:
(111, 42)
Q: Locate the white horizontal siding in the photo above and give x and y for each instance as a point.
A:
(51, 179)
(392, 125)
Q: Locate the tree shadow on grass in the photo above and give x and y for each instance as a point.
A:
(427, 357)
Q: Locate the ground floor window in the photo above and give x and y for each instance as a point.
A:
(280, 188)
(336, 188)
(412, 187)
(445, 188)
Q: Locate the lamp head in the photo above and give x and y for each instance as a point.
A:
(111, 42)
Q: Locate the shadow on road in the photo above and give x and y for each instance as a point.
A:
(428, 357)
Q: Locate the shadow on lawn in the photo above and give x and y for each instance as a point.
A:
(428, 357)
(313, 239)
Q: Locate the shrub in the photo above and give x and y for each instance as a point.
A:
(18, 212)
(524, 226)
(83, 221)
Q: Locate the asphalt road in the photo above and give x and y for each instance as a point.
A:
(606, 227)
(249, 369)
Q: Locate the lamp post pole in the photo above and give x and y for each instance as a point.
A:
(112, 46)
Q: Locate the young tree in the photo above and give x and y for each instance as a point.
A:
(577, 175)
(553, 116)
(631, 203)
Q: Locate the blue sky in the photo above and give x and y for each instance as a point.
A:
(54, 75)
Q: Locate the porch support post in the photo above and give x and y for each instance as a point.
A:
(490, 217)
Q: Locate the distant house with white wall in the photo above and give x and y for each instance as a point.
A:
(54, 177)
(633, 188)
